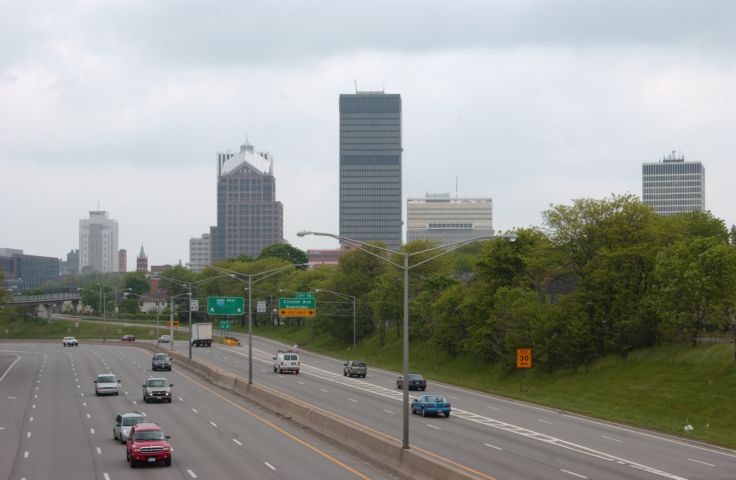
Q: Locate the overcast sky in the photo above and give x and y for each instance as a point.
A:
(532, 103)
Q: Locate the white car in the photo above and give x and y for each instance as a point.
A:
(123, 424)
(164, 339)
(107, 384)
(70, 342)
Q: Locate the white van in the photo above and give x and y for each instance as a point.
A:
(286, 361)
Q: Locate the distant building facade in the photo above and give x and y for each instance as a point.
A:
(443, 219)
(71, 265)
(324, 257)
(98, 243)
(123, 260)
(199, 252)
(249, 218)
(673, 185)
(141, 261)
(370, 167)
(26, 272)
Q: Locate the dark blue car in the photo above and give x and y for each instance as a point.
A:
(431, 405)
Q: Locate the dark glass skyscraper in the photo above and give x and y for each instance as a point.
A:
(370, 167)
(249, 218)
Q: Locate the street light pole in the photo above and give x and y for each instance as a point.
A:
(405, 267)
(189, 307)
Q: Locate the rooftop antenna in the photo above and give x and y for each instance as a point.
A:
(355, 82)
(455, 187)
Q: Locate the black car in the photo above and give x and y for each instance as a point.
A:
(416, 382)
(161, 361)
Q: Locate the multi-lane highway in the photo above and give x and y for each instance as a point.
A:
(53, 426)
(489, 435)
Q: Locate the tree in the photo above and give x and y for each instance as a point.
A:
(284, 251)
(137, 282)
(695, 286)
(3, 292)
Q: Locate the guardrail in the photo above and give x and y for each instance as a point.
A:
(41, 299)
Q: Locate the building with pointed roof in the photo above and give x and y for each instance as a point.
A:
(249, 218)
(141, 262)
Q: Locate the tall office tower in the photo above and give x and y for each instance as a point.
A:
(249, 218)
(123, 260)
(98, 243)
(370, 167)
(199, 252)
(442, 219)
(673, 185)
(141, 262)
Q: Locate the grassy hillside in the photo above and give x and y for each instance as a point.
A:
(661, 388)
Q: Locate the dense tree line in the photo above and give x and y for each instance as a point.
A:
(601, 277)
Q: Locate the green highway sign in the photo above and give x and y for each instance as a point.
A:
(304, 295)
(224, 325)
(225, 305)
(304, 302)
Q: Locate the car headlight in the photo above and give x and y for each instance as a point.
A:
(137, 450)
(166, 449)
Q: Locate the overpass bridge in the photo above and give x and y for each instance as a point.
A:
(50, 302)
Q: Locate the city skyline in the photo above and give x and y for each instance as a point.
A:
(529, 103)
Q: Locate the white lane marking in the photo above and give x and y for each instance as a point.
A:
(28, 435)
(84, 404)
(25, 454)
(17, 357)
(544, 421)
(2, 428)
(33, 406)
(493, 408)
(35, 396)
(195, 410)
(82, 394)
(12, 398)
(323, 390)
(572, 473)
(125, 393)
(353, 400)
(135, 403)
(237, 441)
(99, 452)
(492, 446)
(611, 439)
(213, 424)
(107, 477)
(92, 431)
(191, 473)
(270, 466)
(89, 416)
(388, 411)
(300, 382)
(433, 426)
(30, 419)
(691, 459)
(180, 399)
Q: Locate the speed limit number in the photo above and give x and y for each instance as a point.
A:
(523, 358)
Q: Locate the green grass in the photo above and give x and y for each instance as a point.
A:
(660, 388)
(33, 327)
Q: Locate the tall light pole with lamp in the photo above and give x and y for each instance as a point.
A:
(344, 295)
(404, 266)
(250, 276)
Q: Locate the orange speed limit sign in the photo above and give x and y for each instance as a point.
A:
(523, 358)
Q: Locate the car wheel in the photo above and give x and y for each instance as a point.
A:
(424, 413)
(297, 372)
(274, 369)
(133, 463)
(344, 373)
(423, 389)
(169, 400)
(167, 462)
(447, 414)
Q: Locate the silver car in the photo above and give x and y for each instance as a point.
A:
(124, 422)
(107, 384)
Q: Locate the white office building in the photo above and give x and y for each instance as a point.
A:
(199, 252)
(98, 243)
(673, 185)
(442, 219)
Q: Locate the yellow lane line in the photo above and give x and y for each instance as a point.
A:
(358, 425)
(278, 429)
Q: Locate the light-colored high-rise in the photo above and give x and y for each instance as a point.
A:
(199, 252)
(673, 185)
(442, 219)
(98, 243)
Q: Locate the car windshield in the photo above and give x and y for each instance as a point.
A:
(157, 383)
(291, 357)
(161, 356)
(106, 378)
(149, 435)
(414, 376)
(359, 364)
(434, 399)
(130, 421)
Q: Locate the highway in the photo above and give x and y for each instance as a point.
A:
(488, 435)
(53, 426)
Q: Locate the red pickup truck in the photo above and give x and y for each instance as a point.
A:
(148, 444)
